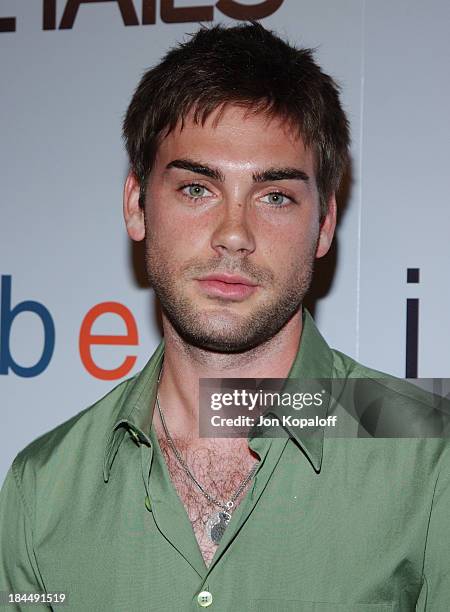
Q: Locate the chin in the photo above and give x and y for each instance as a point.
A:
(231, 327)
(224, 334)
(222, 343)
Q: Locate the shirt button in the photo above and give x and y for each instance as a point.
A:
(204, 599)
(148, 504)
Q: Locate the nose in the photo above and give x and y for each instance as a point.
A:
(233, 233)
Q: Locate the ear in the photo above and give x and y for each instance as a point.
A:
(327, 228)
(132, 212)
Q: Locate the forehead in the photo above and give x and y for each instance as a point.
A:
(236, 134)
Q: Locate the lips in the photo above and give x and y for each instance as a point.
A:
(227, 286)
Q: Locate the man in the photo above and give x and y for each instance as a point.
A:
(237, 143)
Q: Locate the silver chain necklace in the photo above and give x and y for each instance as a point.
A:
(217, 523)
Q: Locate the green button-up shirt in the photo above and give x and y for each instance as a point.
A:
(327, 524)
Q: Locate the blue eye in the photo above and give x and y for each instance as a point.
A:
(276, 199)
(195, 191)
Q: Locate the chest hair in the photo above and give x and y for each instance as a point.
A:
(219, 472)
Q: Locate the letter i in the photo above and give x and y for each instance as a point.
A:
(49, 15)
(412, 327)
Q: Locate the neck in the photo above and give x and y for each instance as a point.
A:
(185, 364)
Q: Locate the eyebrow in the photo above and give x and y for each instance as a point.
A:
(263, 176)
(280, 174)
(187, 164)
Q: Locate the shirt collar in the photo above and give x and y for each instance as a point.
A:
(314, 360)
(135, 411)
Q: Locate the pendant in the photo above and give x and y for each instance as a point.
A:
(216, 525)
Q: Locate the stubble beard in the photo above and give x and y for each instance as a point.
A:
(230, 332)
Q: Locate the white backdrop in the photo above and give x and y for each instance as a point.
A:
(63, 245)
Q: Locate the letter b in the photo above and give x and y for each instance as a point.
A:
(7, 316)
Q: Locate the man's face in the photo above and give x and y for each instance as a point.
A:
(232, 228)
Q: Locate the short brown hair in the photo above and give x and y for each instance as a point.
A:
(249, 66)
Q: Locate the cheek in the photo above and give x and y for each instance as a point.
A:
(290, 243)
(175, 221)
(173, 234)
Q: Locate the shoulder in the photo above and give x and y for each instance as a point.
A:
(76, 449)
(391, 407)
(83, 435)
(347, 367)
